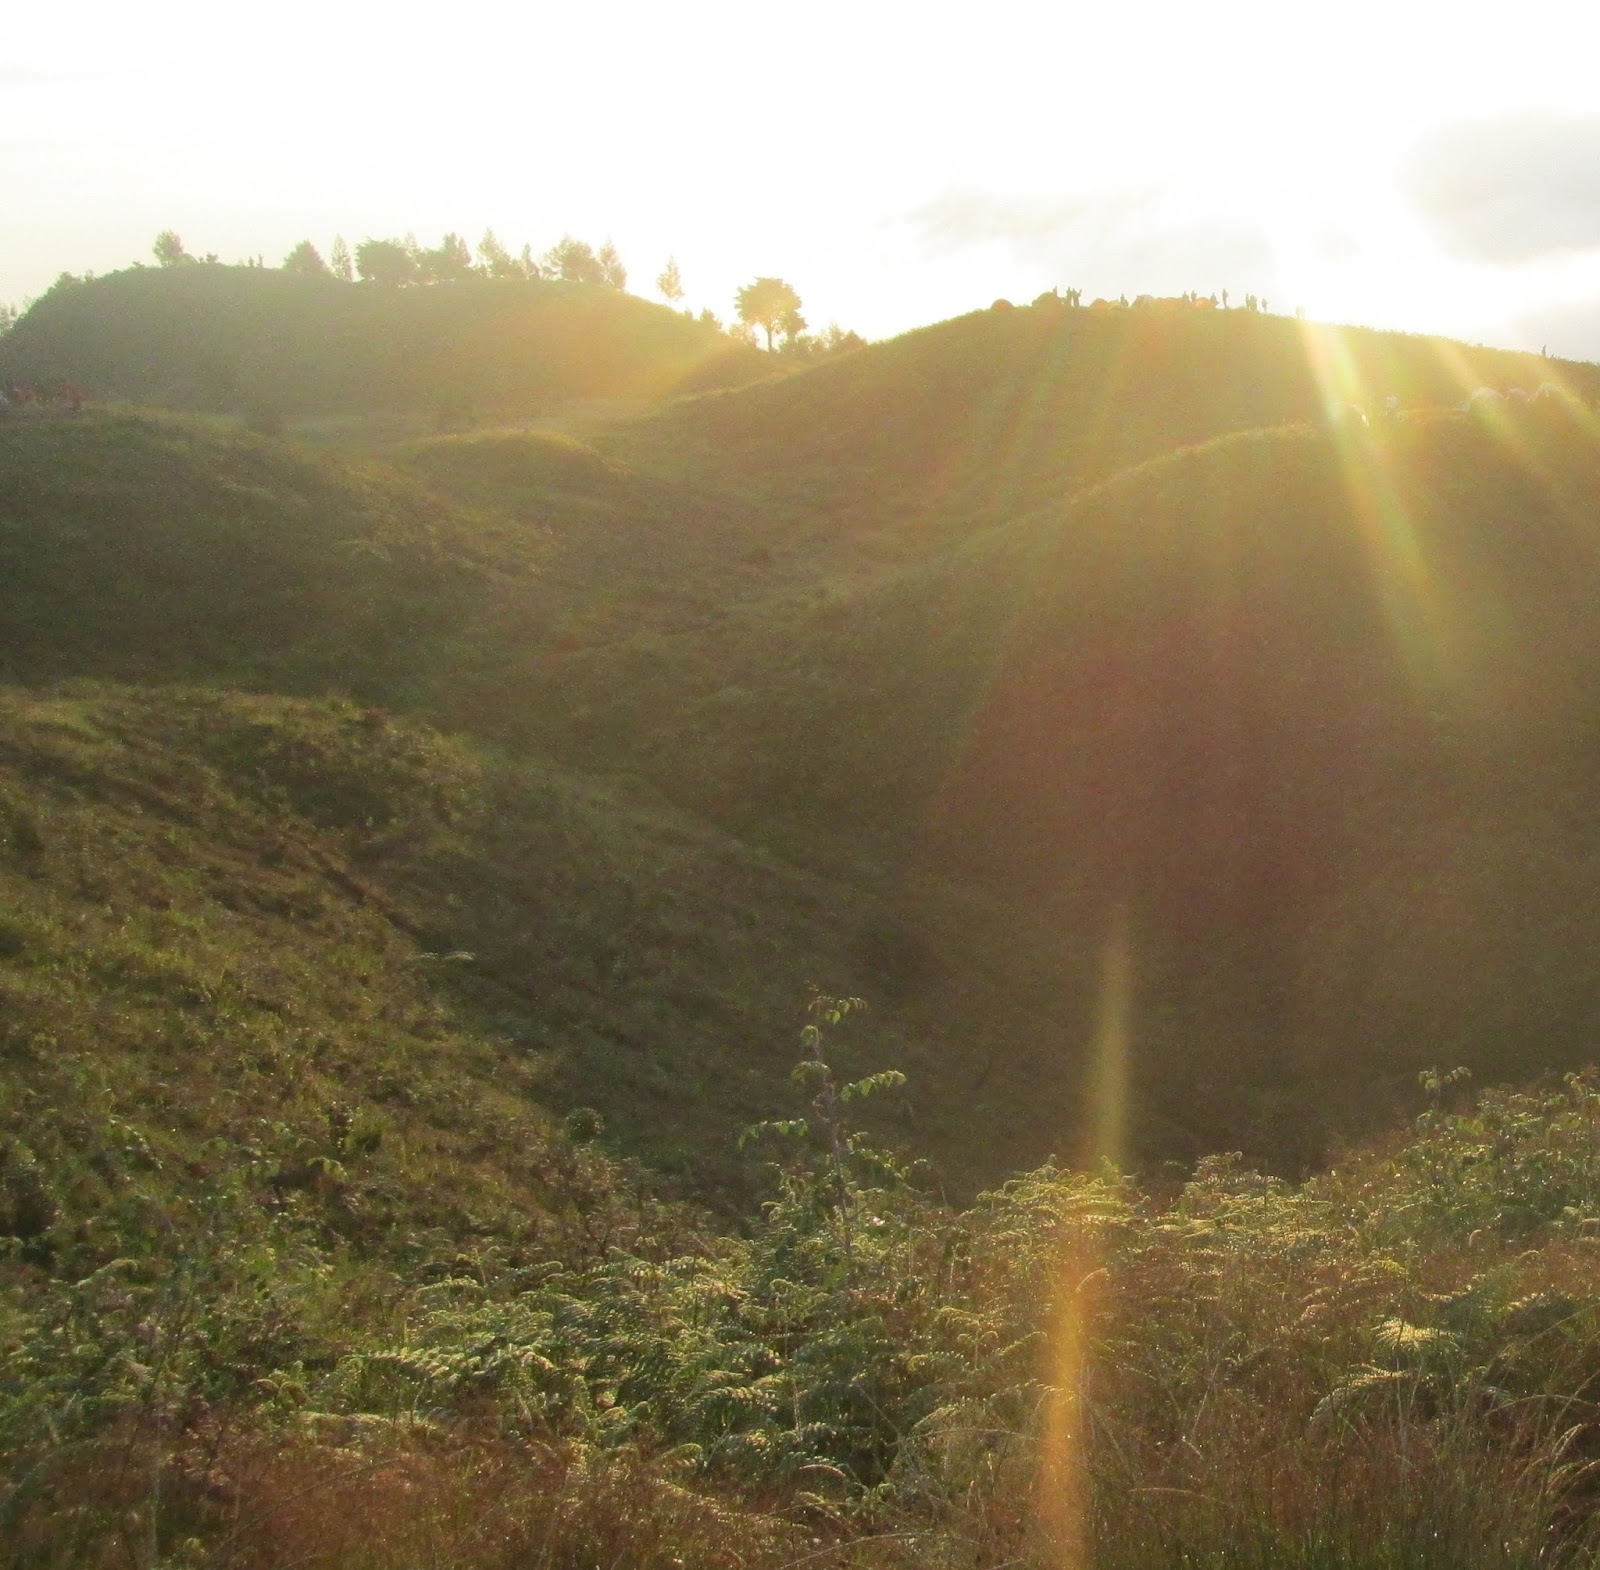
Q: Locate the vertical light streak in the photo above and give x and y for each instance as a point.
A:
(1066, 1502)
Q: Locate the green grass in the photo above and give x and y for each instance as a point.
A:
(1205, 688)
(272, 344)
(1319, 707)
(317, 893)
(393, 850)
(990, 415)
(136, 545)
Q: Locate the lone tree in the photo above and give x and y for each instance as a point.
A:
(168, 249)
(612, 272)
(339, 264)
(306, 260)
(767, 303)
(670, 283)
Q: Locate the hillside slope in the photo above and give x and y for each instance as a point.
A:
(1313, 712)
(202, 989)
(165, 552)
(139, 547)
(222, 912)
(215, 338)
(988, 415)
(1304, 713)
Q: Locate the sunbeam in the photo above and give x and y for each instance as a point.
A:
(1414, 607)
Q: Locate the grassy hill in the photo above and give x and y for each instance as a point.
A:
(1308, 709)
(1313, 709)
(270, 343)
(389, 850)
(174, 555)
(225, 909)
(989, 415)
(146, 548)
(203, 986)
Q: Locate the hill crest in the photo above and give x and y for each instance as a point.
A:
(218, 338)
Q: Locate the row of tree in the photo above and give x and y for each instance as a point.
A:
(768, 304)
(392, 263)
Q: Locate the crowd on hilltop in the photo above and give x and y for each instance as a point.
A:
(1073, 298)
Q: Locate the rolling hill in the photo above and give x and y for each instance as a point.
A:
(401, 840)
(273, 344)
(140, 547)
(1313, 708)
(231, 911)
(986, 416)
(1250, 698)
(202, 570)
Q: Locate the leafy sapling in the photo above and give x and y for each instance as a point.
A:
(847, 1156)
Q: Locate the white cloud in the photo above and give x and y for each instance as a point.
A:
(1510, 190)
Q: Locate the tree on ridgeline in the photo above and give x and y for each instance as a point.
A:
(765, 304)
(387, 263)
(450, 261)
(339, 263)
(494, 260)
(798, 344)
(612, 273)
(306, 260)
(670, 283)
(8, 318)
(573, 261)
(168, 249)
(792, 325)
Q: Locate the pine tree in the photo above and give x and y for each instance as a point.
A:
(339, 263)
(612, 272)
(670, 283)
(306, 260)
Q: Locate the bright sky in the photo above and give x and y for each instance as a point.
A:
(1397, 162)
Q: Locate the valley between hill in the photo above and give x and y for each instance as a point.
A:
(418, 848)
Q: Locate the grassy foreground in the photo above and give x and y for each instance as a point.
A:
(1391, 1365)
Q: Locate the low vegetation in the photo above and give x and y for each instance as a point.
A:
(271, 345)
(1391, 1364)
(419, 848)
(991, 415)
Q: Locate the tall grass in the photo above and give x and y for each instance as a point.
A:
(1238, 1373)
